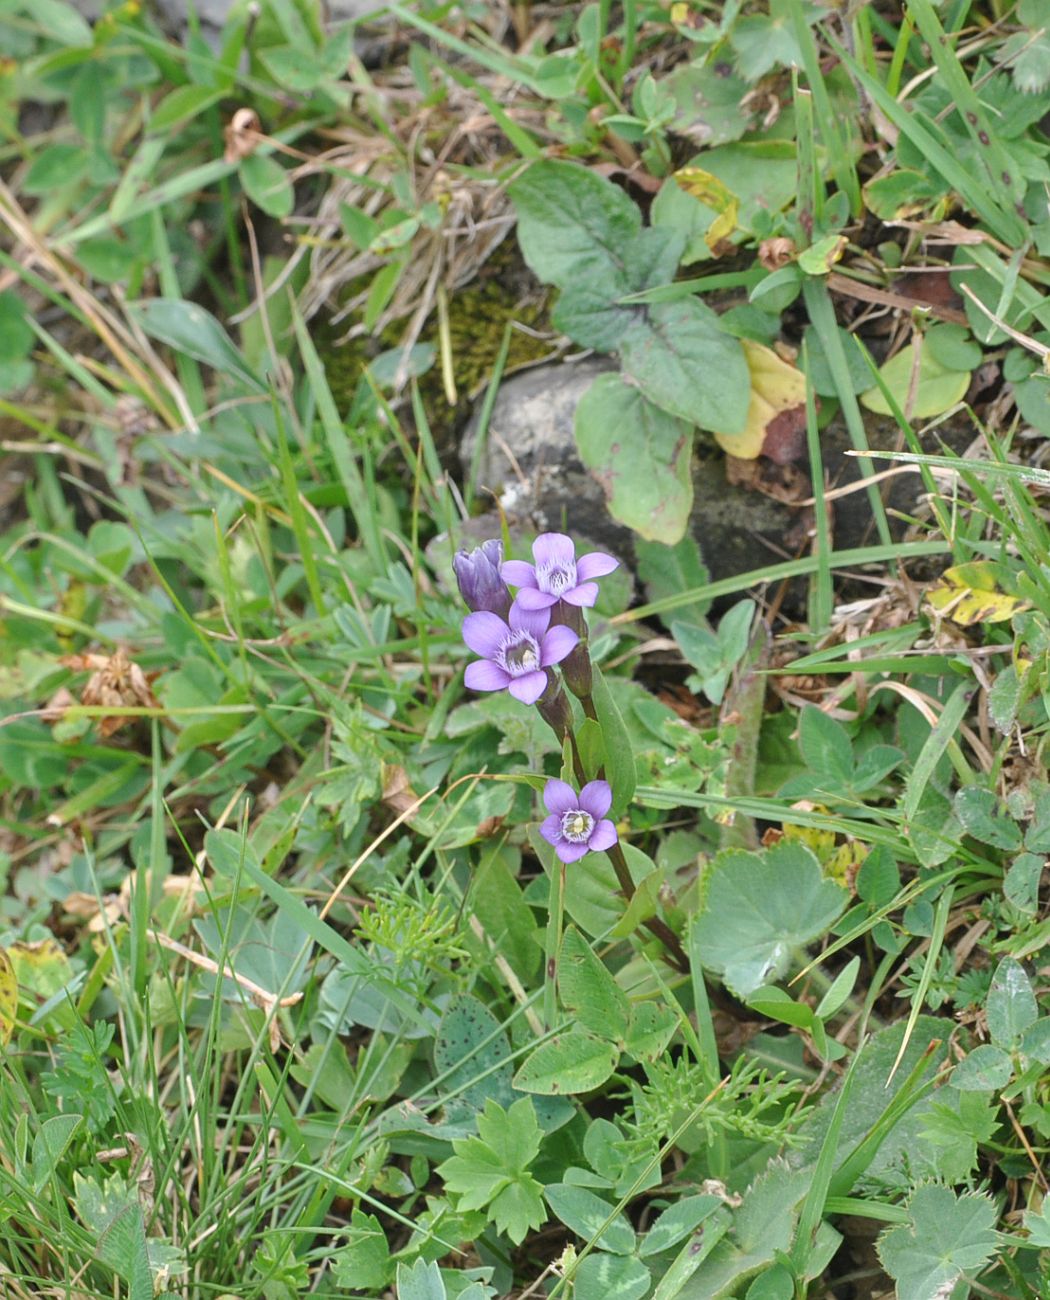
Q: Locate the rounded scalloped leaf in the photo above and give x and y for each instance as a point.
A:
(936, 389)
(759, 909)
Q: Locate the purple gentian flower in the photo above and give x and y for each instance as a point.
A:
(515, 656)
(577, 823)
(557, 573)
(478, 575)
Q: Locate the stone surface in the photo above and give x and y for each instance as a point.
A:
(530, 463)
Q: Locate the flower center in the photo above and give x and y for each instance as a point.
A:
(576, 825)
(520, 654)
(556, 578)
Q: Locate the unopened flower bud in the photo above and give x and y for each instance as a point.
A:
(554, 708)
(478, 575)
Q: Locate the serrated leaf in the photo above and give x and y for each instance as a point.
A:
(1011, 1007)
(946, 1236)
(364, 1262)
(684, 361)
(491, 1171)
(575, 1061)
(640, 455)
(986, 1069)
(420, 1281)
(759, 908)
(584, 1213)
(589, 991)
(984, 818)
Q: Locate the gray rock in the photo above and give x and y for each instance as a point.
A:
(530, 463)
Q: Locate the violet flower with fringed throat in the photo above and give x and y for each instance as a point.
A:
(577, 823)
(516, 654)
(557, 574)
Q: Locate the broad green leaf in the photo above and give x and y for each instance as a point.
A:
(574, 224)
(672, 570)
(987, 1068)
(574, 1061)
(946, 1236)
(267, 184)
(621, 773)
(777, 1004)
(293, 67)
(1011, 1007)
(1035, 1043)
(190, 329)
(589, 991)
(470, 1043)
(584, 1213)
(935, 390)
(652, 1027)
(181, 103)
(51, 1143)
(640, 455)
(683, 360)
(760, 909)
(62, 22)
(55, 166)
(677, 1222)
(509, 922)
(775, 1283)
(611, 1277)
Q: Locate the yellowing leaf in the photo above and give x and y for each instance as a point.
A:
(968, 594)
(820, 257)
(777, 408)
(937, 389)
(8, 998)
(713, 194)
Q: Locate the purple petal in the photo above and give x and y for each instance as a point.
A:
(558, 642)
(559, 796)
(602, 837)
(596, 798)
(482, 675)
(484, 633)
(585, 594)
(529, 688)
(550, 829)
(534, 621)
(530, 598)
(554, 549)
(570, 852)
(595, 565)
(518, 573)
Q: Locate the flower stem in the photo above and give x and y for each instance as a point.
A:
(553, 712)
